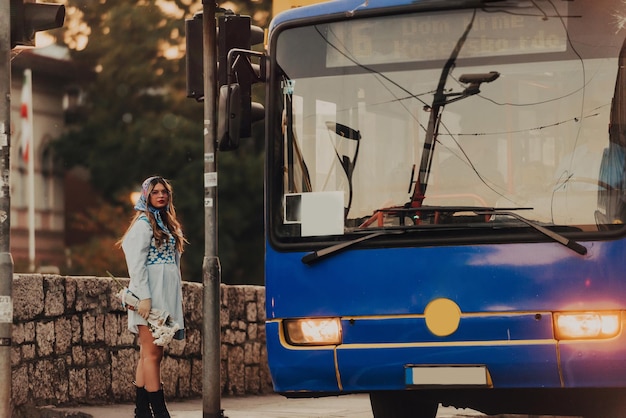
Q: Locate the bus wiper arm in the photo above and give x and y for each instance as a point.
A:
(555, 236)
(316, 256)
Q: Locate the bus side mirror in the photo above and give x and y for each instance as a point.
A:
(229, 120)
(236, 111)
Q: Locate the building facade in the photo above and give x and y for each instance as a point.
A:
(54, 93)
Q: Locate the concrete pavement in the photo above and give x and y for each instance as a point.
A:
(267, 406)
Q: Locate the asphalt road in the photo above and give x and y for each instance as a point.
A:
(268, 406)
(274, 406)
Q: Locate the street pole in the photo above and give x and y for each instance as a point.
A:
(6, 261)
(28, 84)
(211, 272)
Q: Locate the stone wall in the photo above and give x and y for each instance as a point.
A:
(70, 344)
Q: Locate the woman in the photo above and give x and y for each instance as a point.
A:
(152, 246)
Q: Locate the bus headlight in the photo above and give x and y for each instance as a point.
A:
(313, 331)
(586, 325)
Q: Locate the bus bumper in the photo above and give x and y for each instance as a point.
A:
(375, 355)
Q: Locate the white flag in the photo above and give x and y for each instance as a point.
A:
(26, 114)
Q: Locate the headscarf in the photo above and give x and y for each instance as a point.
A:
(144, 205)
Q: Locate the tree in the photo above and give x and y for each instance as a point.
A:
(140, 122)
(104, 223)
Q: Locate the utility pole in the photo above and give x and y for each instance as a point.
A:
(211, 270)
(6, 261)
(18, 24)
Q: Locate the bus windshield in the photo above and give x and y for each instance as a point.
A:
(429, 119)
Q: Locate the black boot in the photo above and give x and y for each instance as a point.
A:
(142, 404)
(157, 402)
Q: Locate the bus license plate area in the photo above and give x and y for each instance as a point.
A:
(433, 375)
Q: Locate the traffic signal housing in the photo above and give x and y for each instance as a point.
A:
(28, 18)
(194, 57)
(235, 76)
(235, 32)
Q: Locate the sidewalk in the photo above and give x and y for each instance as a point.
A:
(267, 406)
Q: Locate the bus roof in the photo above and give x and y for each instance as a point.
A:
(339, 7)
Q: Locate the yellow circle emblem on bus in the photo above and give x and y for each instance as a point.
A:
(442, 317)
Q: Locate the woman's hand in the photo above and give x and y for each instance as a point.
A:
(144, 308)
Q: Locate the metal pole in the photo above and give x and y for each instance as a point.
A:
(28, 84)
(6, 261)
(210, 267)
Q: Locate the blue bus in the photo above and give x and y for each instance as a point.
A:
(445, 204)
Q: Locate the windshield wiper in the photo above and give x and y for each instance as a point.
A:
(555, 236)
(316, 256)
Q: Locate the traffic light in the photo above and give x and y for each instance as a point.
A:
(234, 32)
(28, 18)
(194, 57)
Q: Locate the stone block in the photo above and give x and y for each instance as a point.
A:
(29, 332)
(44, 372)
(45, 338)
(19, 384)
(184, 380)
(251, 311)
(170, 371)
(28, 300)
(224, 317)
(28, 352)
(253, 380)
(196, 377)
(54, 299)
(252, 332)
(17, 334)
(97, 356)
(99, 328)
(192, 304)
(260, 304)
(70, 294)
(78, 356)
(16, 355)
(123, 365)
(89, 329)
(116, 285)
(112, 330)
(63, 335)
(92, 293)
(98, 382)
(176, 347)
(236, 306)
(249, 293)
(252, 353)
(236, 380)
(77, 329)
(78, 384)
